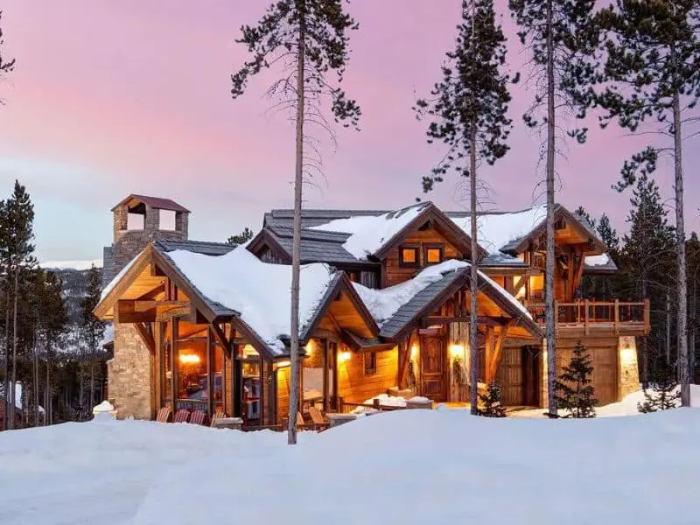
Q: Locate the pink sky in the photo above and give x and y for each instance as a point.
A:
(111, 98)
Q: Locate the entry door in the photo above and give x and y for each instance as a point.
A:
(432, 368)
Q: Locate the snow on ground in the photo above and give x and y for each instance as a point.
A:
(71, 265)
(407, 466)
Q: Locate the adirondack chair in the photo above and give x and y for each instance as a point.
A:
(197, 417)
(163, 415)
(218, 414)
(319, 422)
(182, 416)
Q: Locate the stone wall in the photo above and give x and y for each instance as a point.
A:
(628, 380)
(130, 375)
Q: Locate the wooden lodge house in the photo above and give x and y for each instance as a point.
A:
(384, 305)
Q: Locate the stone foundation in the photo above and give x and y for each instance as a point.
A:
(130, 375)
(628, 369)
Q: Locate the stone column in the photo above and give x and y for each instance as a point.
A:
(628, 369)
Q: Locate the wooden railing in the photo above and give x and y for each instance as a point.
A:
(595, 314)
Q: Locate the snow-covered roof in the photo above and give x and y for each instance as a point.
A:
(259, 292)
(369, 233)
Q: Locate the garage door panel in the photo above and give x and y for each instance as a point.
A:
(604, 376)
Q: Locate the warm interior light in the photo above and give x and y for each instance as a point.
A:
(282, 364)
(457, 351)
(344, 356)
(190, 359)
(249, 351)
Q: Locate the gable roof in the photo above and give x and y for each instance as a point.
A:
(157, 203)
(238, 285)
(397, 308)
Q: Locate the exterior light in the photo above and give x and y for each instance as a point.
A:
(283, 364)
(190, 359)
(627, 356)
(344, 356)
(309, 348)
(456, 350)
(414, 352)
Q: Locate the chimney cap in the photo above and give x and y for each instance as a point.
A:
(157, 203)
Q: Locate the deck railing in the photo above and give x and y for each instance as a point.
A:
(588, 314)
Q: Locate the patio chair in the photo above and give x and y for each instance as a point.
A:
(319, 422)
(163, 415)
(182, 416)
(217, 415)
(197, 417)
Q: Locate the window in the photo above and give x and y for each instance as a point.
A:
(370, 363)
(433, 255)
(408, 256)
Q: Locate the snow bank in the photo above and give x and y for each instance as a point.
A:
(626, 470)
(369, 233)
(598, 260)
(259, 291)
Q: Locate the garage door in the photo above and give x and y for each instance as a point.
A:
(604, 371)
(510, 376)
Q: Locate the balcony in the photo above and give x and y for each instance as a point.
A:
(595, 318)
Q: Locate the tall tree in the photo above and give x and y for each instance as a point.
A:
(693, 250)
(647, 260)
(652, 65)
(581, 211)
(608, 235)
(468, 113)
(19, 250)
(91, 327)
(53, 323)
(311, 36)
(563, 41)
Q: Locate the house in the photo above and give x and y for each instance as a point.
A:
(385, 297)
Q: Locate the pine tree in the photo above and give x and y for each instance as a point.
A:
(693, 251)
(564, 45)
(17, 250)
(92, 328)
(647, 260)
(608, 235)
(53, 322)
(311, 36)
(574, 388)
(581, 211)
(468, 113)
(491, 402)
(664, 393)
(243, 237)
(653, 75)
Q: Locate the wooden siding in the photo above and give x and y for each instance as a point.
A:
(393, 273)
(356, 387)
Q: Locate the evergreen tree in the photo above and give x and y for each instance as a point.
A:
(664, 393)
(647, 261)
(468, 113)
(243, 237)
(609, 236)
(653, 75)
(581, 212)
(92, 328)
(693, 251)
(564, 43)
(311, 36)
(17, 250)
(574, 388)
(491, 402)
(53, 323)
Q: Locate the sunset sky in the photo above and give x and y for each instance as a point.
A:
(131, 96)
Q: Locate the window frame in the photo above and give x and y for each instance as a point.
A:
(427, 247)
(372, 368)
(416, 250)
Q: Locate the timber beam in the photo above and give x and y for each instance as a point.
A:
(481, 319)
(129, 311)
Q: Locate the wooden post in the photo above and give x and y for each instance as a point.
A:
(585, 317)
(341, 402)
(211, 358)
(173, 362)
(617, 316)
(326, 371)
(375, 403)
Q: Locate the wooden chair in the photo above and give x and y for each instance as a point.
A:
(182, 416)
(217, 415)
(197, 417)
(319, 422)
(163, 415)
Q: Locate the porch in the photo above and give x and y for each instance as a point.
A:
(595, 318)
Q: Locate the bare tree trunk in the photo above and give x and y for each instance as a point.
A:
(92, 384)
(6, 356)
(668, 327)
(693, 328)
(645, 343)
(47, 389)
(37, 403)
(15, 341)
(550, 333)
(684, 363)
(296, 243)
